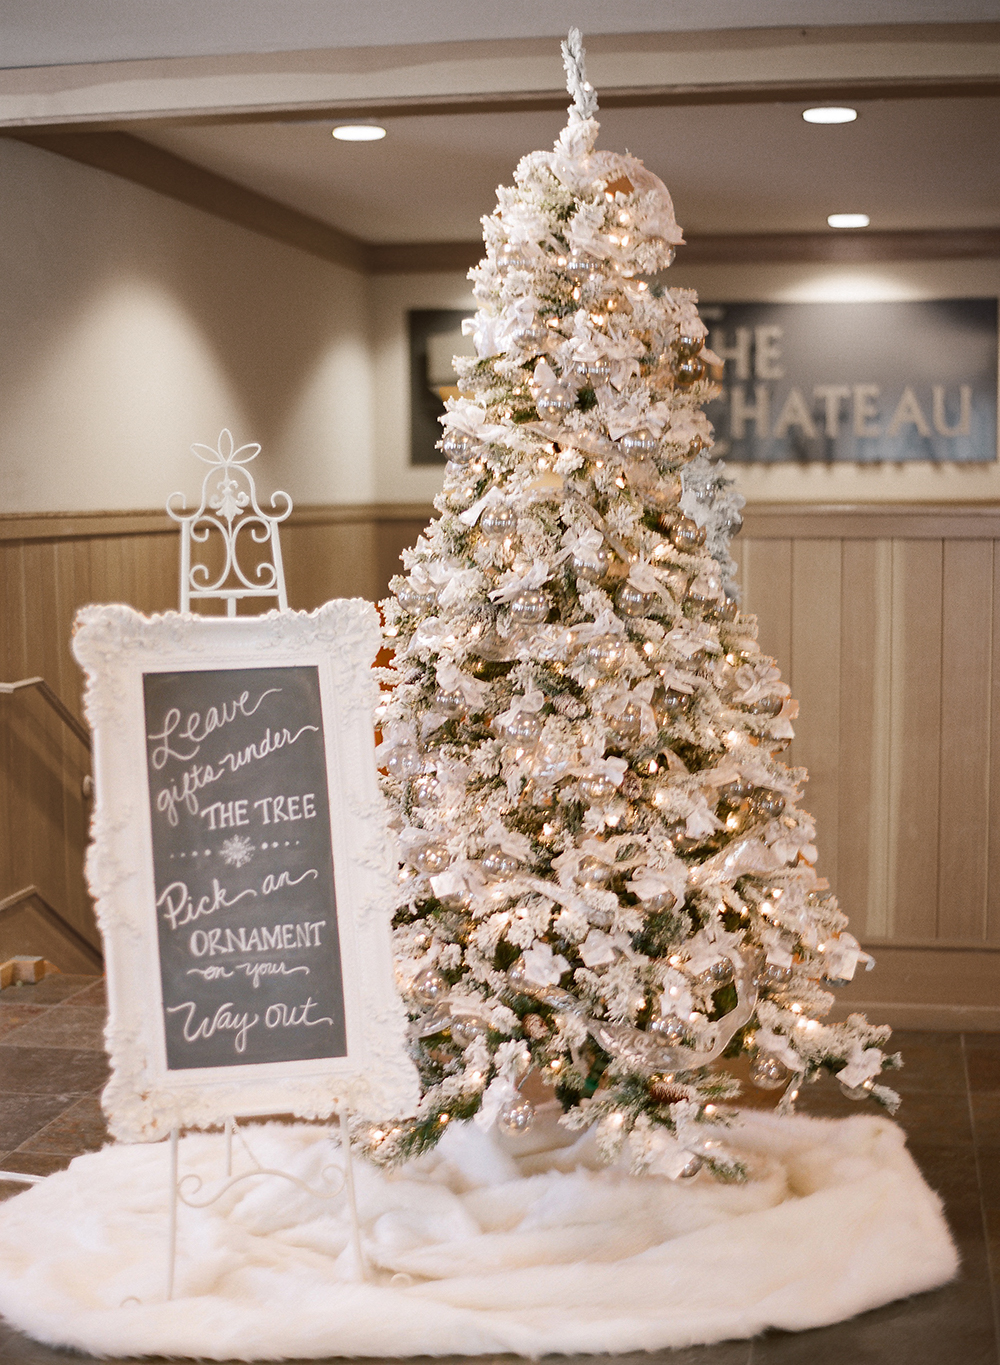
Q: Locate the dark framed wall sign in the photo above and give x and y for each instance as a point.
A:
(877, 382)
(435, 336)
(241, 867)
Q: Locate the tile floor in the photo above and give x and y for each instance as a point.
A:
(52, 1068)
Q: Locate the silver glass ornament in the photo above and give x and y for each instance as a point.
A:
(596, 787)
(498, 521)
(458, 447)
(735, 792)
(660, 903)
(425, 789)
(592, 874)
(688, 370)
(773, 974)
(429, 986)
(606, 654)
(403, 761)
(633, 601)
(496, 863)
(641, 441)
(466, 1030)
(768, 803)
(594, 567)
(529, 607)
(451, 703)
(667, 1028)
(669, 703)
(411, 599)
(577, 264)
(721, 973)
(431, 858)
(524, 729)
(767, 1073)
(727, 610)
(857, 1092)
(626, 725)
(512, 256)
(690, 1168)
(686, 534)
(517, 1116)
(731, 523)
(597, 371)
(530, 337)
(551, 404)
(766, 706)
(686, 345)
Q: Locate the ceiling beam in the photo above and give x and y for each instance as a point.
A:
(143, 164)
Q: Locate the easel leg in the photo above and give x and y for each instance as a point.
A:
(345, 1143)
(172, 1232)
(230, 1126)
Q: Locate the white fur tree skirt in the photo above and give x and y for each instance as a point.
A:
(538, 1253)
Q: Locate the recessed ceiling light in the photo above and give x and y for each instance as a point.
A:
(848, 220)
(358, 132)
(827, 114)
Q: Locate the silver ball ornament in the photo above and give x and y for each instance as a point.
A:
(425, 789)
(459, 447)
(768, 803)
(551, 404)
(524, 729)
(690, 1168)
(594, 567)
(429, 986)
(686, 534)
(633, 601)
(451, 703)
(596, 788)
(431, 858)
(512, 256)
(517, 1116)
(496, 863)
(766, 706)
(667, 1028)
(403, 761)
(638, 442)
(498, 521)
(606, 654)
(530, 607)
(626, 725)
(592, 874)
(767, 1073)
(660, 903)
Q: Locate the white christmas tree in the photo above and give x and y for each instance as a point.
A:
(607, 879)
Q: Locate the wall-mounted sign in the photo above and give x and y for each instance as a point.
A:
(241, 867)
(435, 337)
(866, 382)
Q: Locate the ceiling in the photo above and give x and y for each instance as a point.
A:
(228, 105)
(731, 168)
(55, 32)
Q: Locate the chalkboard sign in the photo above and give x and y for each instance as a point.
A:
(247, 908)
(241, 863)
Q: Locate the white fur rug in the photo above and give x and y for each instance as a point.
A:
(538, 1253)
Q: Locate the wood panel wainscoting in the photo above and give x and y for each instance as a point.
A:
(885, 620)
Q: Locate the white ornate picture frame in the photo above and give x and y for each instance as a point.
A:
(245, 910)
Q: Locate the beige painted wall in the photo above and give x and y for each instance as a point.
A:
(922, 482)
(132, 325)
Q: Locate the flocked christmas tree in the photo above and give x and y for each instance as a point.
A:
(608, 880)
